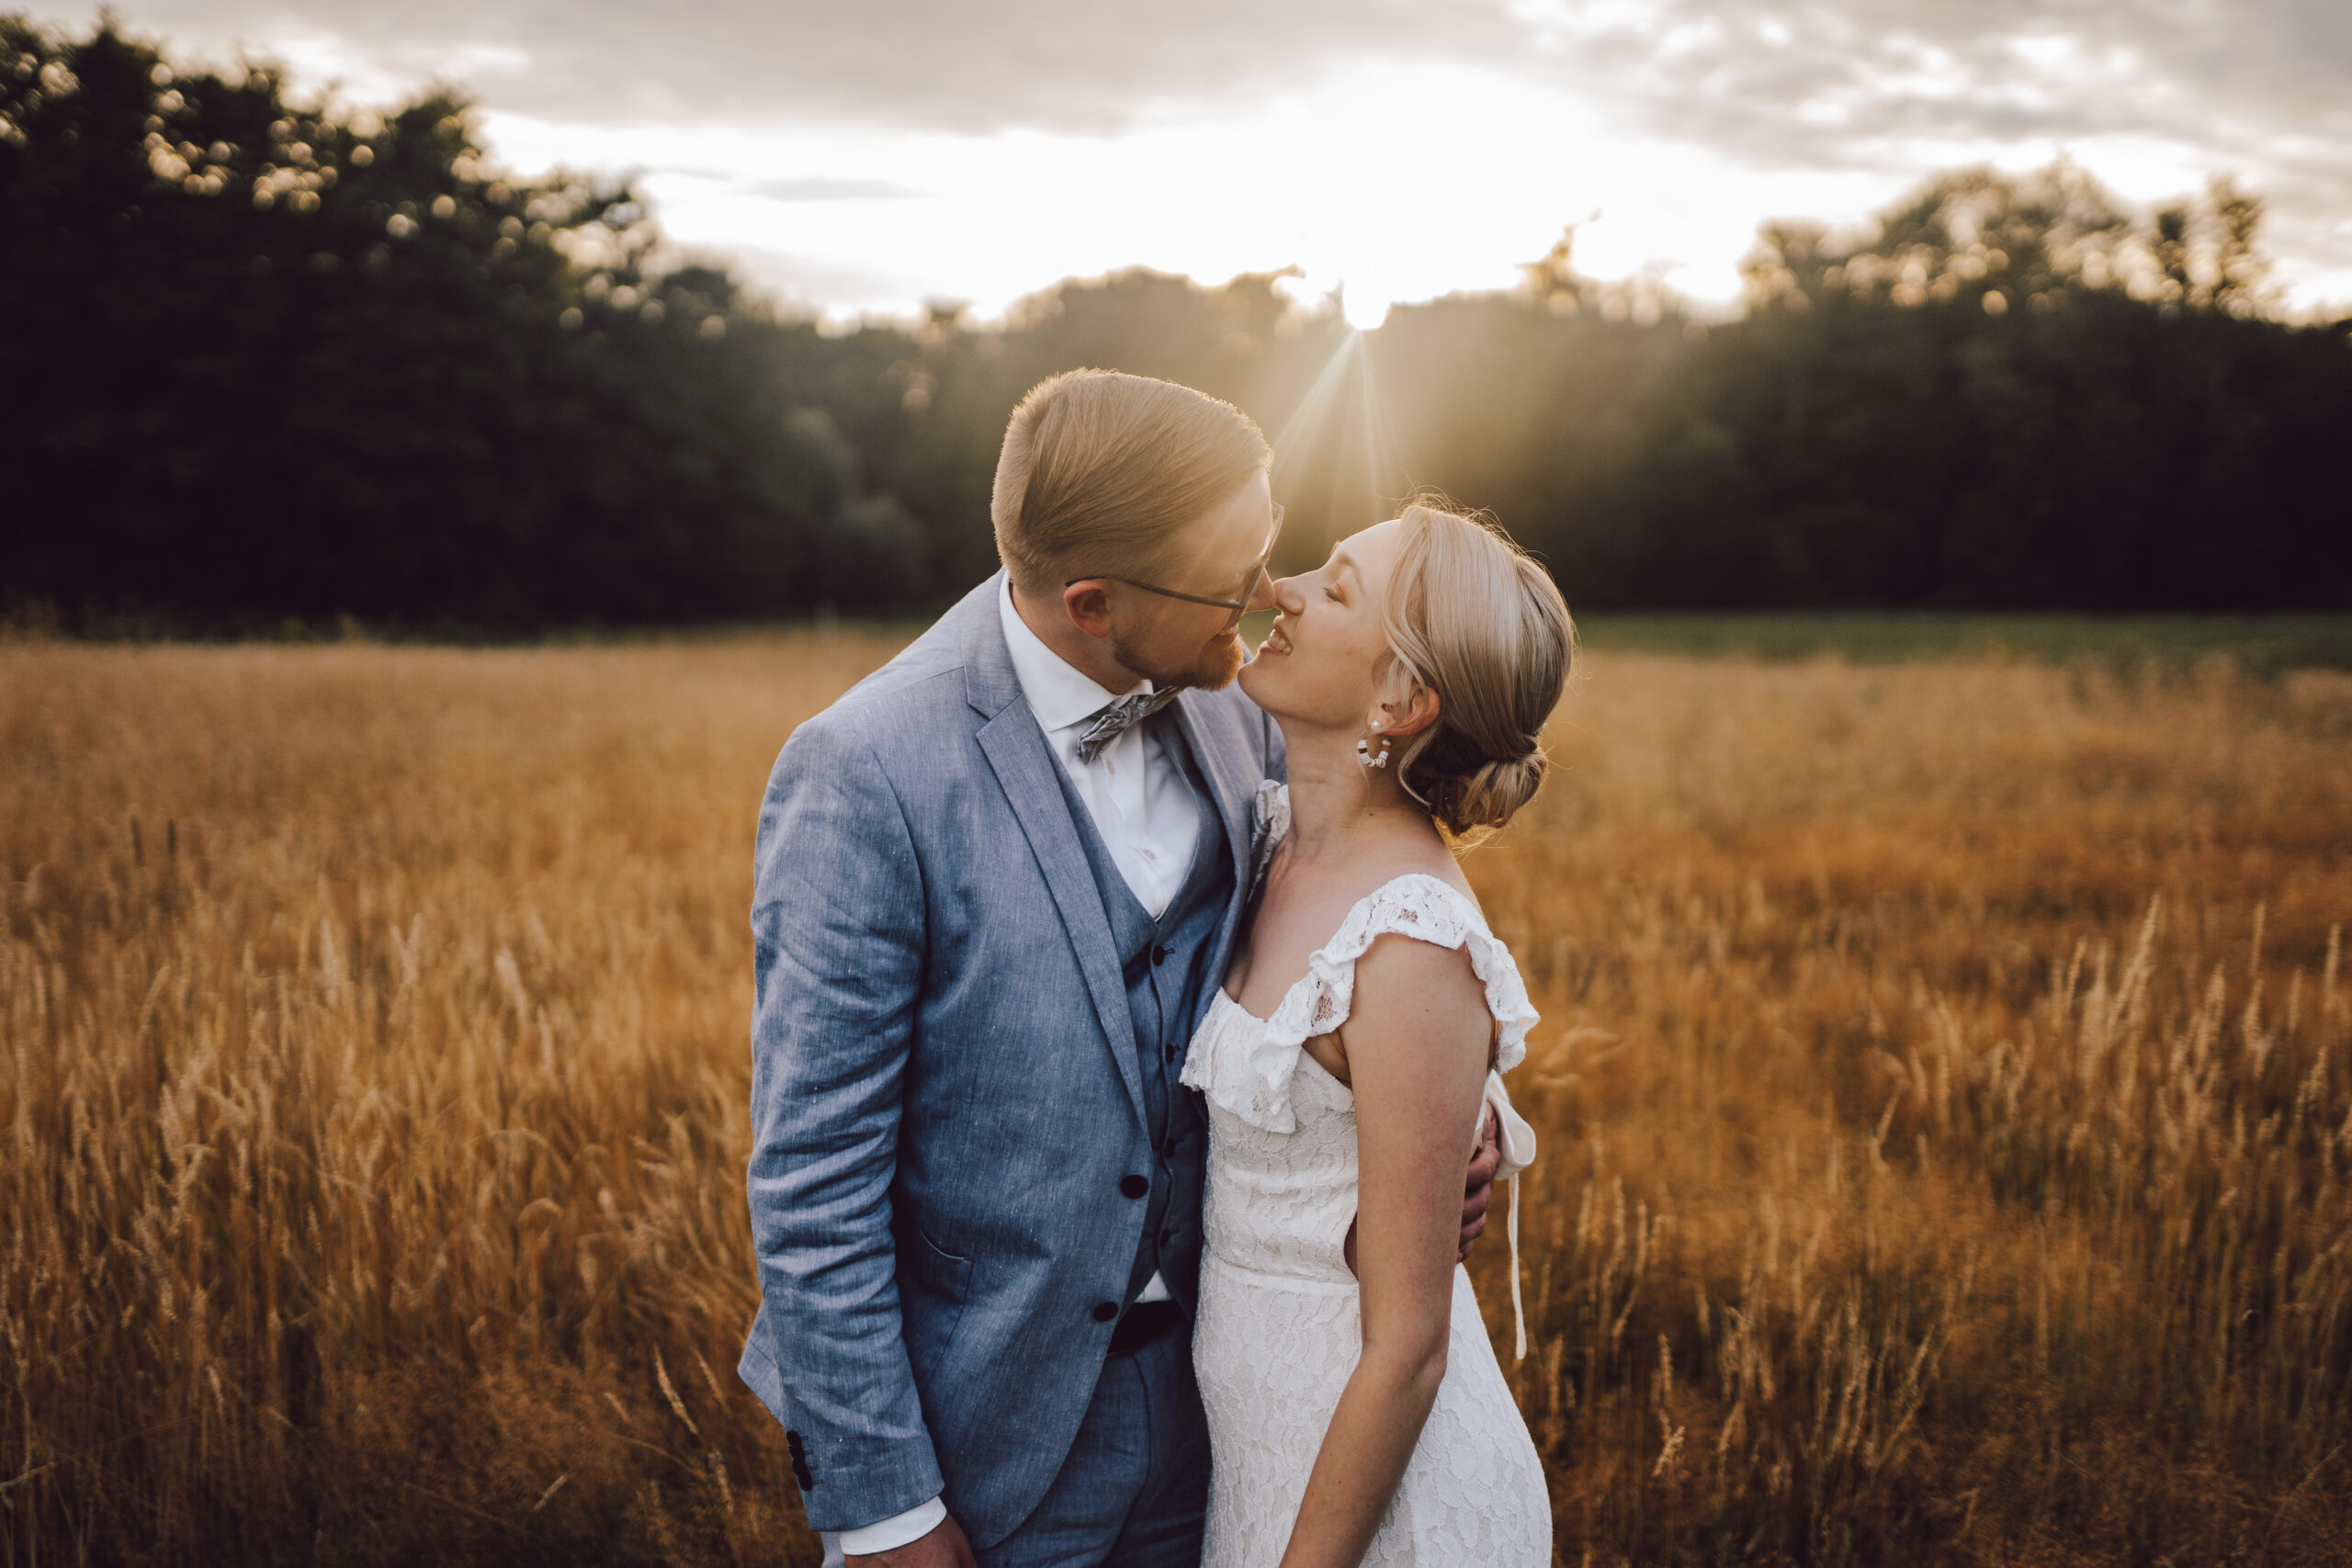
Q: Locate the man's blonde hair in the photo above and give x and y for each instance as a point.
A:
(1102, 471)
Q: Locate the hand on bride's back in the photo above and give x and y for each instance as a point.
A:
(1485, 1161)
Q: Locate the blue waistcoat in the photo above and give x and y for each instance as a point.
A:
(1164, 963)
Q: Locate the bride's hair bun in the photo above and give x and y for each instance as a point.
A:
(1476, 620)
(1489, 796)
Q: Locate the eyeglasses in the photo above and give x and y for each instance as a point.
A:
(1237, 607)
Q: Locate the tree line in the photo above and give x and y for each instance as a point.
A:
(270, 360)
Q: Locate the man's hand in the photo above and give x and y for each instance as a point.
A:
(1484, 1162)
(944, 1546)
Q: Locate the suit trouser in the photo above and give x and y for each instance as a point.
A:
(1133, 1492)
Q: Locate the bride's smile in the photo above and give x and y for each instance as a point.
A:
(1329, 643)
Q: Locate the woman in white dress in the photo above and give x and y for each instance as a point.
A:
(1356, 1411)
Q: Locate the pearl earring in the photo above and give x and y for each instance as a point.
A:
(1365, 759)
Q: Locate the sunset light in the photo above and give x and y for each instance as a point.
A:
(1065, 784)
(1392, 160)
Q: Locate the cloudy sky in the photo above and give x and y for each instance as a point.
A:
(869, 154)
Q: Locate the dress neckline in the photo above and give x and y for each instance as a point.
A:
(1292, 989)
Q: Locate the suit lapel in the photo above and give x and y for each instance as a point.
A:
(1024, 766)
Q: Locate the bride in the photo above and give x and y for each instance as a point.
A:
(1356, 1411)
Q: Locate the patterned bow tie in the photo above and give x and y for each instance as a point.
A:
(1111, 720)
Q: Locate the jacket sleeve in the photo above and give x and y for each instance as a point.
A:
(838, 945)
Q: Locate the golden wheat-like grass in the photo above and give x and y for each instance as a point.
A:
(1943, 1088)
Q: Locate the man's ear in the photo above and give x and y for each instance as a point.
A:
(1088, 601)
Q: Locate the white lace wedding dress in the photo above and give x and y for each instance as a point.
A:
(1277, 1334)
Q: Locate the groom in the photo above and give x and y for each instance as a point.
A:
(994, 886)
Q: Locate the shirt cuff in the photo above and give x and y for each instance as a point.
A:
(913, 1525)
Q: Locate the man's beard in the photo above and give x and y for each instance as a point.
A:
(1212, 669)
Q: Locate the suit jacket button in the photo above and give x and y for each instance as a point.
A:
(1132, 1186)
(1105, 1311)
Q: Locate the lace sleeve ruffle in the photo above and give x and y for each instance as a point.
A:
(1248, 1071)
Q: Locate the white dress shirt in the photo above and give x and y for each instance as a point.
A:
(1136, 794)
(1134, 790)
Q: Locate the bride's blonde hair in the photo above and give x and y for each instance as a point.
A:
(1476, 620)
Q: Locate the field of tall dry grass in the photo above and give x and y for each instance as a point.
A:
(1944, 1082)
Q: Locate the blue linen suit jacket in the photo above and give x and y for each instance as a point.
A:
(945, 1091)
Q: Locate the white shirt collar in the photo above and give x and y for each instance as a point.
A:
(1059, 693)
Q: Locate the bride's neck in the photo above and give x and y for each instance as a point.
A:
(1338, 808)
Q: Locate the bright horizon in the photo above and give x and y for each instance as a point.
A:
(1397, 166)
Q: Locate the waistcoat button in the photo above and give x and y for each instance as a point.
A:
(1105, 1311)
(1133, 1185)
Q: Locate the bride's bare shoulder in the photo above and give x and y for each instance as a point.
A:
(1400, 962)
(1417, 998)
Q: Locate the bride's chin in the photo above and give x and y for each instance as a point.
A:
(1261, 682)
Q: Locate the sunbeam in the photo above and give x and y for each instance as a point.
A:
(1337, 463)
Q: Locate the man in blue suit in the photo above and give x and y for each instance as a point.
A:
(995, 884)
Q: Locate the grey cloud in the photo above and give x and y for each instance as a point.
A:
(1705, 70)
(1083, 65)
(818, 189)
(2263, 89)
(806, 279)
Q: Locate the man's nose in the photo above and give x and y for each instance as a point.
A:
(1267, 594)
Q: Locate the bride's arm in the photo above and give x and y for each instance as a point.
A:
(1416, 1044)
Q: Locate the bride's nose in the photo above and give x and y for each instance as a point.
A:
(1289, 597)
